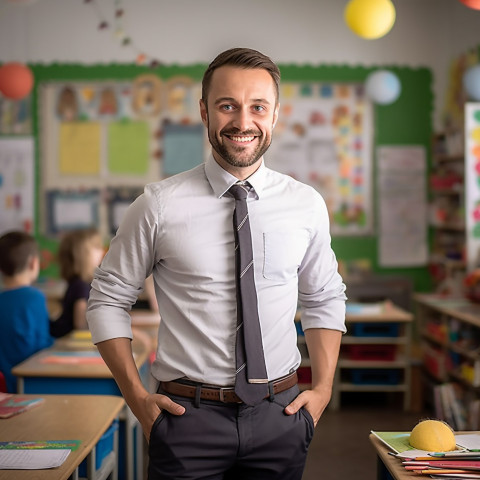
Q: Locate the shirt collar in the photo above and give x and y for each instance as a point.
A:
(220, 180)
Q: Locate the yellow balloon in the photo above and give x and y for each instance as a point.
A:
(370, 18)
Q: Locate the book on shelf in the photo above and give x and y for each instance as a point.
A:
(449, 407)
(11, 404)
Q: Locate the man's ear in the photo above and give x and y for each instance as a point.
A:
(203, 112)
(275, 115)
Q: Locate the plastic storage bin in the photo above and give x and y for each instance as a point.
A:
(376, 329)
(372, 376)
(102, 449)
(371, 352)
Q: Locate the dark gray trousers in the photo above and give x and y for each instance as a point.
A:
(218, 441)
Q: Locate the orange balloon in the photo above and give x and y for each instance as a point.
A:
(16, 80)
(475, 4)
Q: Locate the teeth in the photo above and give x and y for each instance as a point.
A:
(242, 139)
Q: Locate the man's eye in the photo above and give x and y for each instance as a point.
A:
(258, 108)
(227, 107)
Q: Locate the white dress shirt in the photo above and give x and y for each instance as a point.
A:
(181, 229)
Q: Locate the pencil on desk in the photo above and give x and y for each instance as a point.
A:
(436, 471)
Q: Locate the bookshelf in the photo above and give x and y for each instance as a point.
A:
(374, 354)
(447, 210)
(449, 329)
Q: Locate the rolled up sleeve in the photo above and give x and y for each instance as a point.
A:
(121, 276)
(321, 289)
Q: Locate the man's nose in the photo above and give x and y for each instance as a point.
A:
(242, 120)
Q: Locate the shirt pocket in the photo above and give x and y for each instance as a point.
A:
(283, 254)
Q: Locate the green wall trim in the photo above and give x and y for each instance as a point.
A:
(406, 121)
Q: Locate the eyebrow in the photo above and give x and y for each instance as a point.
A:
(232, 100)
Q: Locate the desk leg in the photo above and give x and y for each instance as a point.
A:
(91, 461)
(139, 445)
(382, 472)
(335, 400)
(74, 475)
(114, 475)
(20, 385)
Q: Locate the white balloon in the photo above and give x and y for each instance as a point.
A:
(383, 87)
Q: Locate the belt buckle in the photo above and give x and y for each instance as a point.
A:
(221, 391)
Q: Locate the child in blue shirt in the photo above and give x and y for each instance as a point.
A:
(24, 322)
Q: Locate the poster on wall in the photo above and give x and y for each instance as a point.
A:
(106, 136)
(472, 184)
(16, 184)
(324, 138)
(402, 206)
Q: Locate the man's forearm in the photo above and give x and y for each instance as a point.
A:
(323, 349)
(118, 356)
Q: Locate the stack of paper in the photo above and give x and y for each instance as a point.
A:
(32, 459)
(461, 463)
(35, 455)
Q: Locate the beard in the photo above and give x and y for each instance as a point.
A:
(236, 155)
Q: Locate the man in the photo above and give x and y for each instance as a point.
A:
(214, 416)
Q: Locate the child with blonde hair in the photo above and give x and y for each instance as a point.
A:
(80, 252)
(23, 308)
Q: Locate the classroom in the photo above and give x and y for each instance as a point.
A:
(376, 110)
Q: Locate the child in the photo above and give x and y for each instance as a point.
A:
(80, 252)
(23, 309)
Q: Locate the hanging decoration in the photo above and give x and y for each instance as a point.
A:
(117, 27)
(383, 87)
(475, 4)
(471, 82)
(16, 80)
(370, 19)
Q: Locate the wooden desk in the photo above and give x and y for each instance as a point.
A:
(375, 371)
(36, 377)
(62, 417)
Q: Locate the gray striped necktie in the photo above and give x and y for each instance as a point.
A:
(251, 377)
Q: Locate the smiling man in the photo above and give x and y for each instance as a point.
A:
(233, 247)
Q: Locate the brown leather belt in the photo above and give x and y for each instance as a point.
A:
(219, 394)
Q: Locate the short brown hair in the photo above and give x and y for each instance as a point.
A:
(16, 248)
(73, 250)
(242, 58)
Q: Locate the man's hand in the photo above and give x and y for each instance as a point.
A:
(153, 404)
(315, 401)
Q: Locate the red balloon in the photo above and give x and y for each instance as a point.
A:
(16, 80)
(475, 4)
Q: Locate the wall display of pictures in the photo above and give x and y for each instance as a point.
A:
(15, 116)
(17, 184)
(324, 138)
(402, 205)
(105, 135)
(472, 184)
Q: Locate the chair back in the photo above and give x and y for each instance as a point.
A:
(3, 383)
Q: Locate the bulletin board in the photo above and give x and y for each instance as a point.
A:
(114, 182)
(472, 183)
(102, 141)
(324, 138)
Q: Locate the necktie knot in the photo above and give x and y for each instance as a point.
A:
(239, 191)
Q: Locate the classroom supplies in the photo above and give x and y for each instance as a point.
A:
(11, 404)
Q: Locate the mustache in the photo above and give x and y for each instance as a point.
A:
(237, 131)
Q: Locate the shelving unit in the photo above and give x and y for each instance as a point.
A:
(450, 341)
(374, 355)
(447, 210)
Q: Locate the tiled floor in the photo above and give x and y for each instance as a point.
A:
(341, 450)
